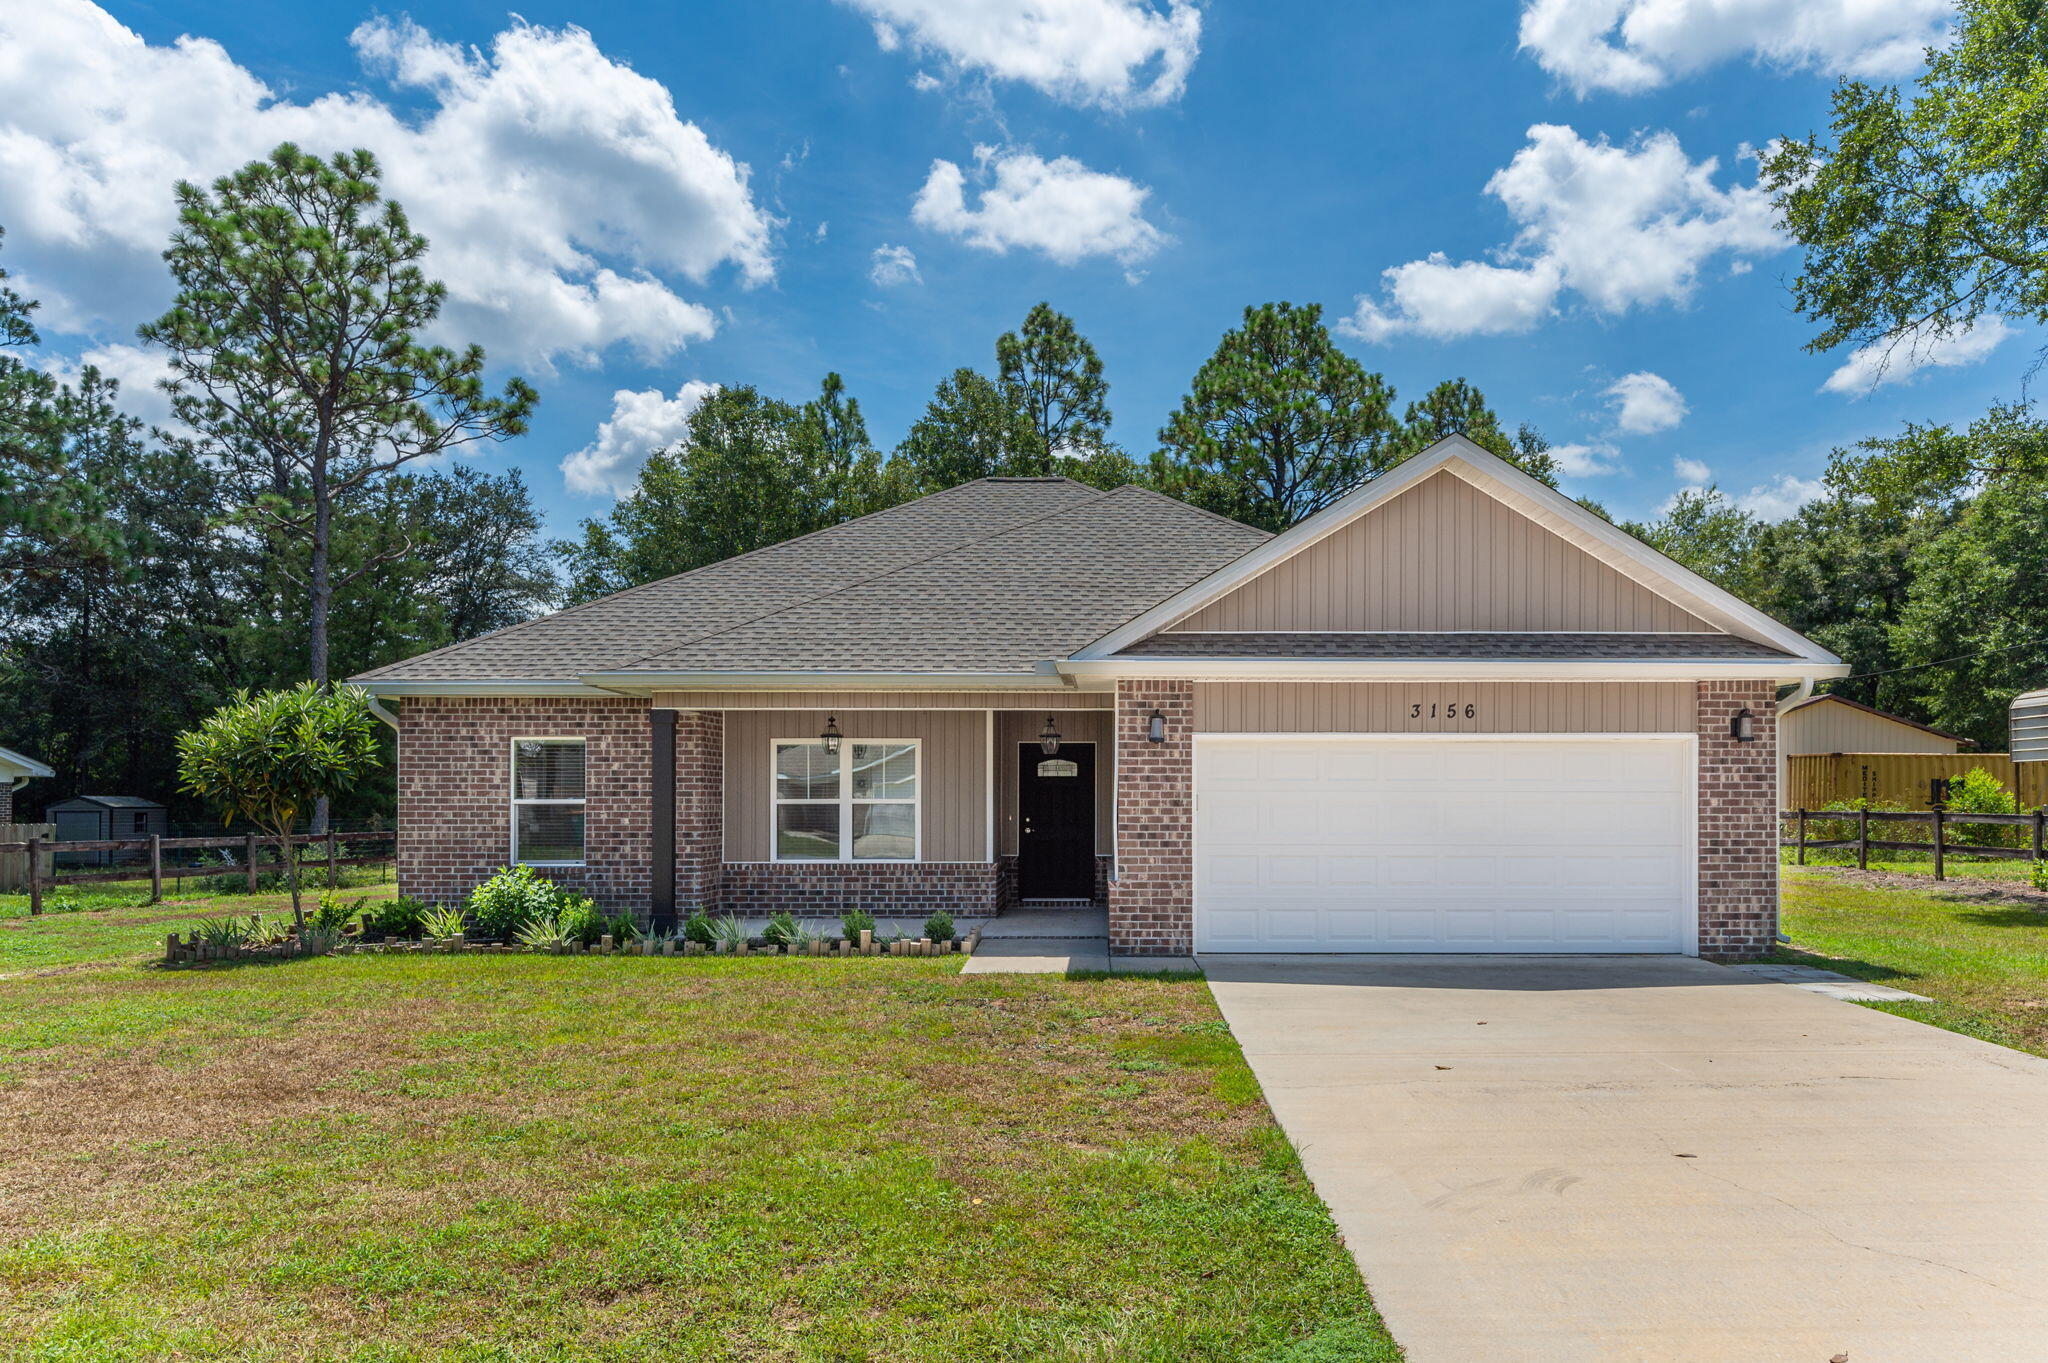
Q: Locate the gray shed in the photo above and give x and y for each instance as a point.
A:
(89, 818)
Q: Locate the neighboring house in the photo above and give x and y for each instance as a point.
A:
(16, 771)
(1836, 724)
(92, 818)
(1454, 711)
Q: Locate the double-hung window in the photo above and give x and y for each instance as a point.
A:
(547, 801)
(856, 804)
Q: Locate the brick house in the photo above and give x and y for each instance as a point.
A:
(1452, 712)
(16, 771)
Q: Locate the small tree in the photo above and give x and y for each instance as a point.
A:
(271, 757)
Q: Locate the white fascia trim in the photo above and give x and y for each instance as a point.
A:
(565, 687)
(1046, 678)
(1461, 669)
(1640, 558)
(29, 766)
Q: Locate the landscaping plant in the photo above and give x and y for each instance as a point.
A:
(939, 927)
(221, 934)
(623, 927)
(728, 931)
(269, 758)
(781, 929)
(400, 917)
(510, 899)
(579, 920)
(333, 913)
(856, 921)
(697, 928)
(441, 924)
(541, 934)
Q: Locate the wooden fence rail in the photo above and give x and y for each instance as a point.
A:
(1939, 821)
(37, 851)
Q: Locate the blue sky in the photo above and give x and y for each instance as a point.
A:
(633, 200)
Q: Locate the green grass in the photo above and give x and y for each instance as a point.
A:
(129, 935)
(1955, 866)
(1984, 965)
(535, 1157)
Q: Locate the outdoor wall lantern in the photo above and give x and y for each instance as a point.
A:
(1155, 727)
(1742, 728)
(831, 736)
(1049, 738)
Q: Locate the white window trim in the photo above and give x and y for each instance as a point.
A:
(845, 804)
(512, 782)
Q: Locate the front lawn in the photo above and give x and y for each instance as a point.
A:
(539, 1157)
(1978, 950)
(119, 926)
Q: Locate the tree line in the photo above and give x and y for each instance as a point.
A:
(292, 523)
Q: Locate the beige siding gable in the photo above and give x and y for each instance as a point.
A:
(1443, 555)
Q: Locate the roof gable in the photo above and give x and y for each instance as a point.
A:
(1442, 556)
(1611, 549)
(1872, 712)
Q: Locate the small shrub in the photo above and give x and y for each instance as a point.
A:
(1977, 791)
(333, 913)
(781, 929)
(697, 928)
(441, 924)
(856, 921)
(728, 930)
(513, 897)
(623, 927)
(400, 917)
(939, 927)
(264, 932)
(220, 933)
(2037, 873)
(579, 920)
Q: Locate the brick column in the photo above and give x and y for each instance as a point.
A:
(700, 810)
(1152, 898)
(1738, 872)
(6, 799)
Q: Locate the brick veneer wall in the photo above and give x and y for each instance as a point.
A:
(1738, 834)
(455, 790)
(6, 799)
(1152, 897)
(904, 890)
(700, 811)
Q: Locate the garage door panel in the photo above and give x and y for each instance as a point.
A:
(1322, 844)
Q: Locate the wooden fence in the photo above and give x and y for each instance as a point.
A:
(14, 866)
(1939, 843)
(35, 852)
(1816, 780)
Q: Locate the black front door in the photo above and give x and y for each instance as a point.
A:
(1056, 840)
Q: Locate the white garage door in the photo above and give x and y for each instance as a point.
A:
(1343, 843)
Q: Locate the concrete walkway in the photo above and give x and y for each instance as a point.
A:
(1653, 1158)
(1058, 942)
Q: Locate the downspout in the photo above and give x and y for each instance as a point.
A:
(1799, 693)
(377, 709)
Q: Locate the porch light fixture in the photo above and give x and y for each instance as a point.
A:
(1742, 728)
(1155, 728)
(1049, 738)
(831, 736)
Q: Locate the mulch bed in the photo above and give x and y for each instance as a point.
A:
(1961, 891)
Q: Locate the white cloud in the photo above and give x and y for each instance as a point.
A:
(1618, 227)
(1630, 46)
(1777, 500)
(641, 423)
(1586, 461)
(1111, 54)
(558, 187)
(893, 265)
(1876, 365)
(1691, 470)
(136, 368)
(1645, 403)
(1059, 207)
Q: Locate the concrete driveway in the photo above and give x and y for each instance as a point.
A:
(1653, 1158)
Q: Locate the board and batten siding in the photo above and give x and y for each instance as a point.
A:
(1443, 556)
(952, 776)
(1023, 726)
(834, 701)
(1498, 707)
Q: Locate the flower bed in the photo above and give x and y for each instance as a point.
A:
(198, 950)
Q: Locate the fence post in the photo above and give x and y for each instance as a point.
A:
(249, 857)
(1802, 837)
(156, 868)
(1863, 839)
(2040, 817)
(35, 876)
(333, 871)
(1938, 812)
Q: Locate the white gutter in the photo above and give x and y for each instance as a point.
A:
(1047, 677)
(565, 687)
(377, 709)
(1457, 669)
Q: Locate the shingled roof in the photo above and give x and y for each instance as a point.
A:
(992, 576)
(1690, 647)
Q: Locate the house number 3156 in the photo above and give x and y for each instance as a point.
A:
(1443, 710)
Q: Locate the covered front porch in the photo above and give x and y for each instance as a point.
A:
(898, 804)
